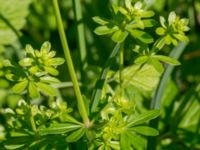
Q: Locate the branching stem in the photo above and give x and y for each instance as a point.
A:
(81, 105)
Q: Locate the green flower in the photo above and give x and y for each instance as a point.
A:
(41, 61)
(34, 72)
(126, 20)
(174, 30)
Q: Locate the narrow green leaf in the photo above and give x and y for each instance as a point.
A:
(75, 135)
(99, 20)
(30, 50)
(51, 70)
(100, 83)
(166, 59)
(160, 43)
(142, 36)
(144, 117)
(55, 61)
(149, 22)
(124, 142)
(144, 130)
(172, 17)
(19, 142)
(141, 59)
(137, 141)
(14, 147)
(157, 65)
(160, 31)
(128, 4)
(102, 30)
(46, 89)
(49, 79)
(20, 87)
(33, 91)
(147, 14)
(46, 47)
(119, 36)
(71, 119)
(114, 145)
(181, 37)
(58, 128)
(26, 62)
(168, 39)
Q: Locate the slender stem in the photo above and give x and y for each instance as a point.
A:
(80, 32)
(121, 63)
(156, 101)
(100, 83)
(81, 105)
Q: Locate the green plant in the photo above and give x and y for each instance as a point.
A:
(114, 116)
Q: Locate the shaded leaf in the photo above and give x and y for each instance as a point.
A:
(58, 128)
(144, 130)
(76, 135)
(149, 22)
(144, 117)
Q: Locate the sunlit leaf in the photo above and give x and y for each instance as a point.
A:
(33, 91)
(141, 59)
(46, 89)
(20, 87)
(99, 20)
(55, 61)
(145, 78)
(51, 70)
(167, 59)
(12, 13)
(144, 117)
(105, 30)
(157, 65)
(119, 36)
(49, 79)
(142, 36)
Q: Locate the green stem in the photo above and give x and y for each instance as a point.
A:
(81, 105)
(80, 32)
(100, 83)
(156, 101)
(121, 63)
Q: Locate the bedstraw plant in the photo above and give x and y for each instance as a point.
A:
(110, 117)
